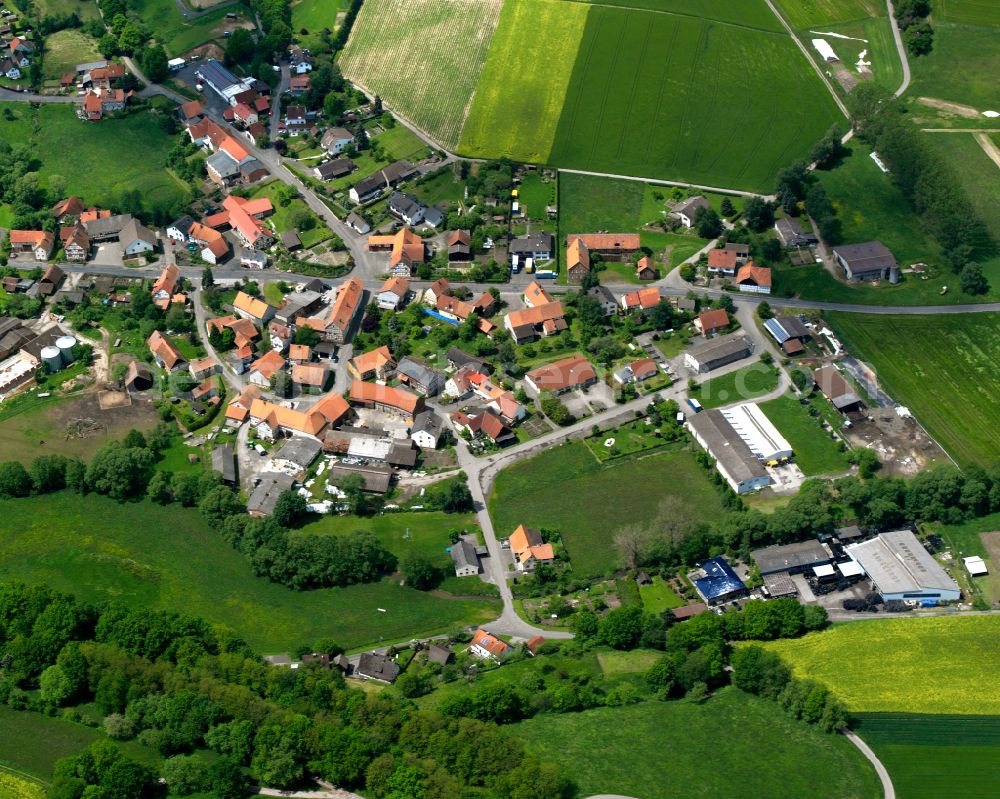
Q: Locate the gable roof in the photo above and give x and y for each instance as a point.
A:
(643, 298)
(714, 320)
(168, 279)
(535, 295)
(490, 643)
(399, 286)
(373, 360)
(308, 374)
(606, 242)
(251, 305)
(569, 372)
(385, 395)
(164, 349)
(269, 364)
(757, 275)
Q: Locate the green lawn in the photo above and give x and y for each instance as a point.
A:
(815, 452)
(84, 9)
(536, 195)
(731, 745)
(445, 187)
(423, 533)
(943, 368)
(314, 16)
(67, 48)
(962, 64)
(168, 558)
(743, 385)
(440, 48)
(953, 756)
(282, 216)
(19, 129)
(903, 665)
(659, 597)
(566, 489)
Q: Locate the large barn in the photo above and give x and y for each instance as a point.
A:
(900, 568)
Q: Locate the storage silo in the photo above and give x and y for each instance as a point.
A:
(65, 345)
(52, 358)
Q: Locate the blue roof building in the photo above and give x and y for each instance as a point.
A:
(720, 583)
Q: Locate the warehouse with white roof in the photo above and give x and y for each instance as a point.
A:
(758, 432)
(900, 568)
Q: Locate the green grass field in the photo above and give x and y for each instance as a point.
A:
(282, 216)
(974, 12)
(168, 558)
(964, 60)
(942, 367)
(524, 81)
(810, 13)
(929, 665)
(136, 145)
(179, 35)
(745, 13)
(815, 452)
(743, 385)
(314, 16)
(84, 9)
(979, 176)
(67, 48)
(673, 96)
(878, 46)
(659, 597)
(440, 48)
(953, 756)
(20, 129)
(566, 489)
(663, 750)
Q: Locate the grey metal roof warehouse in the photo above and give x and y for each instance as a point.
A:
(786, 557)
(727, 447)
(901, 568)
(299, 450)
(709, 353)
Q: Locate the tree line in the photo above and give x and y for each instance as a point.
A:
(200, 697)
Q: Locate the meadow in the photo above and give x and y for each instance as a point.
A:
(65, 49)
(699, 751)
(945, 755)
(810, 13)
(168, 558)
(942, 367)
(746, 13)
(815, 452)
(524, 81)
(742, 385)
(878, 46)
(903, 665)
(84, 9)
(313, 16)
(13, 786)
(973, 12)
(178, 35)
(423, 59)
(135, 145)
(979, 176)
(964, 61)
(566, 489)
(282, 216)
(677, 97)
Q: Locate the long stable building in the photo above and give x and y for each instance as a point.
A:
(763, 438)
(733, 457)
(900, 568)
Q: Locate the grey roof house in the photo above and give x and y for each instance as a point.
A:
(870, 260)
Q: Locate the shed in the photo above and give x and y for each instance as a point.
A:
(290, 240)
(224, 462)
(441, 655)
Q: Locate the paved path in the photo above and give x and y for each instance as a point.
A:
(899, 49)
(188, 13)
(658, 182)
(234, 381)
(27, 97)
(888, 791)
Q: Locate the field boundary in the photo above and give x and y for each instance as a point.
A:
(24, 775)
(669, 13)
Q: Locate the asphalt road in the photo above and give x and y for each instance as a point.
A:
(900, 49)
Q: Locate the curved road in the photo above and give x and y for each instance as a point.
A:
(900, 49)
(888, 791)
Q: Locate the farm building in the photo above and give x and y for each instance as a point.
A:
(733, 457)
(836, 389)
(377, 667)
(687, 210)
(376, 477)
(763, 438)
(565, 375)
(224, 463)
(223, 82)
(711, 354)
(538, 245)
(754, 279)
(465, 554)
(712, 322)
(870, 260)
(786, 329)
(265, 496)
(900, 568)
(791, 558)
(716, 581)
(791, 234)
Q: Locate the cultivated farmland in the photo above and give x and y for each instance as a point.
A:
(943, 368)
(566, 489)
(748, 13)
(953, 756)
(929, 665)
(525, 79)
(423, 58)
(167, 558)
(663, 750)
(682, 98)
(810, 13)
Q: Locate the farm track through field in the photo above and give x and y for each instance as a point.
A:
(666, 13)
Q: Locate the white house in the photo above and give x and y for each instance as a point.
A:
(426, 430)
(336, 140)
(687, 210)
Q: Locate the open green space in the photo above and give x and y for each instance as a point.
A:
(682, 98)
(32, 743)
(903, 665)
(179, 35)
(980, 177)
(810, 13)
(869, 35)
(662, 750)
(743, 385)
(566, 489)
(286, 215)
(524, 81)
(84, 9)
(20, 126)
(941, 755)
(659, 596)
(314, 16)
(965, 540)
(942, 367)
(815, 451)
(168, 558)
(974, 12)
(426, 534)
(67, 48)
(136, 145)
(423, 59)
(962, 65)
